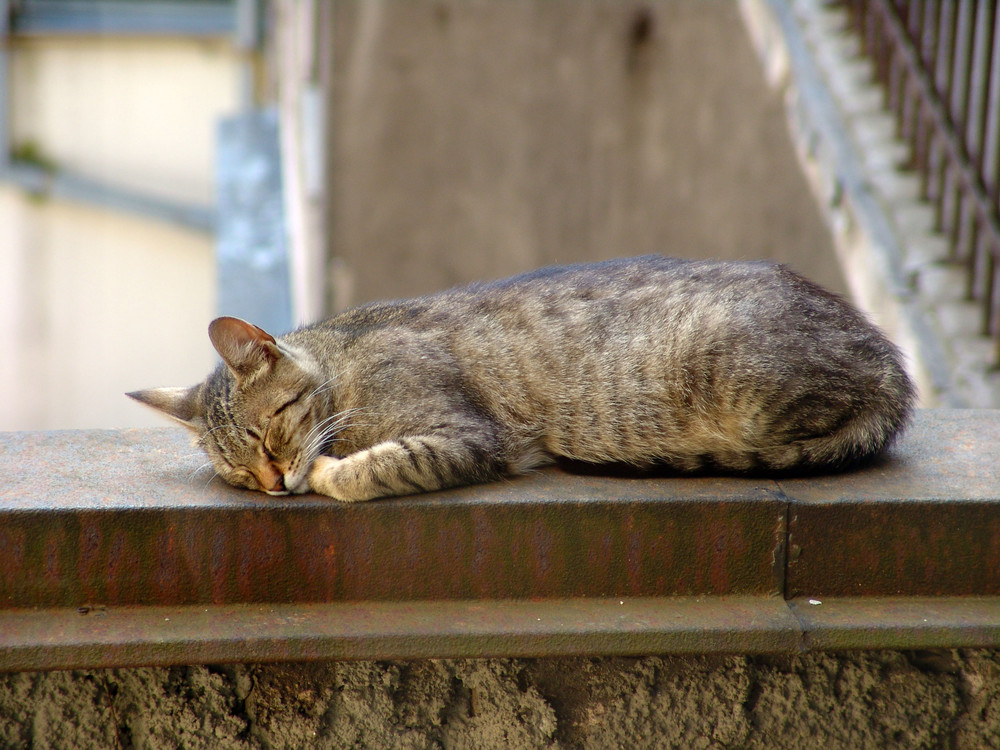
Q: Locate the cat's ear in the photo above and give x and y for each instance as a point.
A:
(182, 404)
(246, 349)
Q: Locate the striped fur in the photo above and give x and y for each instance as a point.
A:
(693, 364)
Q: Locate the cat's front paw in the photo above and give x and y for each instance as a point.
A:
(338, 478)
(322, 475)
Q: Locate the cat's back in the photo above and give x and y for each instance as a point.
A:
(624, 279)
(668, 309)
(684, 304)
(560, 291)
(733, 364)
(728, 363)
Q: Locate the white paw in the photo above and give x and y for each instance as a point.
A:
(321, 475)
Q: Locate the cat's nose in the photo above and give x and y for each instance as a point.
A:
(271, 478)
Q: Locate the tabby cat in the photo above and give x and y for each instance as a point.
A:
(733, 366)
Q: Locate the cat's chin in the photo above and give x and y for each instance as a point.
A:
(300, 487)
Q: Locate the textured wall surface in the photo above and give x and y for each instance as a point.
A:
(882, 699)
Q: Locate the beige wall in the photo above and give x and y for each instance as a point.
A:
(138, 113)
(95, 302)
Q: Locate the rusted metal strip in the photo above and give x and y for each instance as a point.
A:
(147, 636)
(63, 639)
(898, 622)
(125, 518)
(925, 523)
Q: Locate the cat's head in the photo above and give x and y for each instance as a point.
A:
(257, 416)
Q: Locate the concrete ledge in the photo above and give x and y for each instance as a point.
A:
(128, 519)
(117, 549)
(926, 522)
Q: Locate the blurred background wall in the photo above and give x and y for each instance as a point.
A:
(480, 139)
(107, 273)
(457, 141)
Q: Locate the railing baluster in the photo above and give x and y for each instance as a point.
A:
(960, 116)
(944, 75)
(921, 38)
(990, 174)
(976, 136)
(939, 64)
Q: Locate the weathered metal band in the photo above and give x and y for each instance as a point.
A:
(115, 550)
(138, 636)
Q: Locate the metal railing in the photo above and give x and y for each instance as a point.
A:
(939, 62)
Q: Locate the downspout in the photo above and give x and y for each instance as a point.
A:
(302, 126)
(5, 11)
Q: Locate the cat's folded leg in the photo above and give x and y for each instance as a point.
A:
(406, 466)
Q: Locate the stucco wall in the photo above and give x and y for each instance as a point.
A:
(134, 112)
(845, 701)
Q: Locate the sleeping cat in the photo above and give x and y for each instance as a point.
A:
(647, 361)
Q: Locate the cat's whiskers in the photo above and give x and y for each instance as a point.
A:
(334, 423)
(324, 432)
(337, 423)
(315, 434)
(324, 387)
(192, 475)
(195, 472)
(328, 437)
(321, 443)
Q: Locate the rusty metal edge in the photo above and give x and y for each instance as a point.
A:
(898, 622)
(47, 639)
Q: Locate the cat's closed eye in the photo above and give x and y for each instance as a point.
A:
(287, 404)
(268, 452)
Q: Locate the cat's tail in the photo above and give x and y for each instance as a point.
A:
(865, 434)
